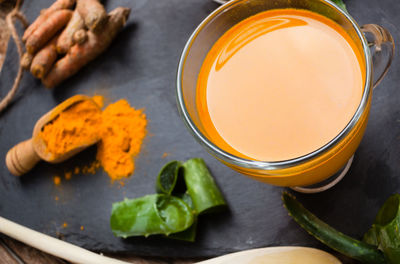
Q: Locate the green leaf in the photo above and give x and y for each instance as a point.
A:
(174, 210)
(187, 199)
(201, 187)
(190, 233)
(169, 182)
(334, 239)
(167, 177)
(340, 4)
(150, 215)
(371, 237)
(385, 230)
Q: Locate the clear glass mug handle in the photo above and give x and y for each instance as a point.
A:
(381, 44)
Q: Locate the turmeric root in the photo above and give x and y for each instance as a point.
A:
(44, 59)
(58, 5)
(93, 13)
(46, 31)
(26, 60)
(66, 39)
(80, 36)
(80, 55)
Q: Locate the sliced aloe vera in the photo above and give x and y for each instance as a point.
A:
(195, 186)
(167, 177)
(371, 237)
(174, 210)
(199, 184)
(201, 187)
(190, 233)
(167, 180)
(385, 230)
(334, 239)
(150, 215)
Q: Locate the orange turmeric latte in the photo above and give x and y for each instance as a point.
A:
(279, 85)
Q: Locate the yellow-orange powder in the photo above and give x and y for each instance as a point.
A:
(68, 175)
(74, 127)
(99, 100)
(57, 180)
(91, 168)
(120, 127)
(122, 133)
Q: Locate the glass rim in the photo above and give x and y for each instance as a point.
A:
(269, 165)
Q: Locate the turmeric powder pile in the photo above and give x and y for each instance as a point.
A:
(122, 133)
(120, 129)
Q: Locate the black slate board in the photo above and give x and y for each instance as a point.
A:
(141, 66)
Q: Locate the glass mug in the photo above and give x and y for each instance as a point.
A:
(373, 41)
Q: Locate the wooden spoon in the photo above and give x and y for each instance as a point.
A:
(23, 157)
(276, 255)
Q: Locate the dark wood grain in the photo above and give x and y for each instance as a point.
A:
(140, 260)
(5, 7)
(5, 256)
(30, 255)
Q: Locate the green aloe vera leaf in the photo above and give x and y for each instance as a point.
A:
(340, 4)
(175, 213)
(190, 233)
(150, 215)
(387, 224)
(371, 237)
(167, 177)
(334, 239)
(169, 182)
(187, 199)
(201, 187)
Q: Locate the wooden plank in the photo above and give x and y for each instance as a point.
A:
(5, 7)
(149, 260)
(31, 255)
(185, 261)
(4, 37)
(139, 260)
(5, 256)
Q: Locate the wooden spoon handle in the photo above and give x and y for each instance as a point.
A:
(21, 158)
(53, 245)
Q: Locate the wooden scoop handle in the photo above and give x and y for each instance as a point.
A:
(21, 158)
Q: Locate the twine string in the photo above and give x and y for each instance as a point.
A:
(15, 13)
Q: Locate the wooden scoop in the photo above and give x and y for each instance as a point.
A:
(23, 157)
